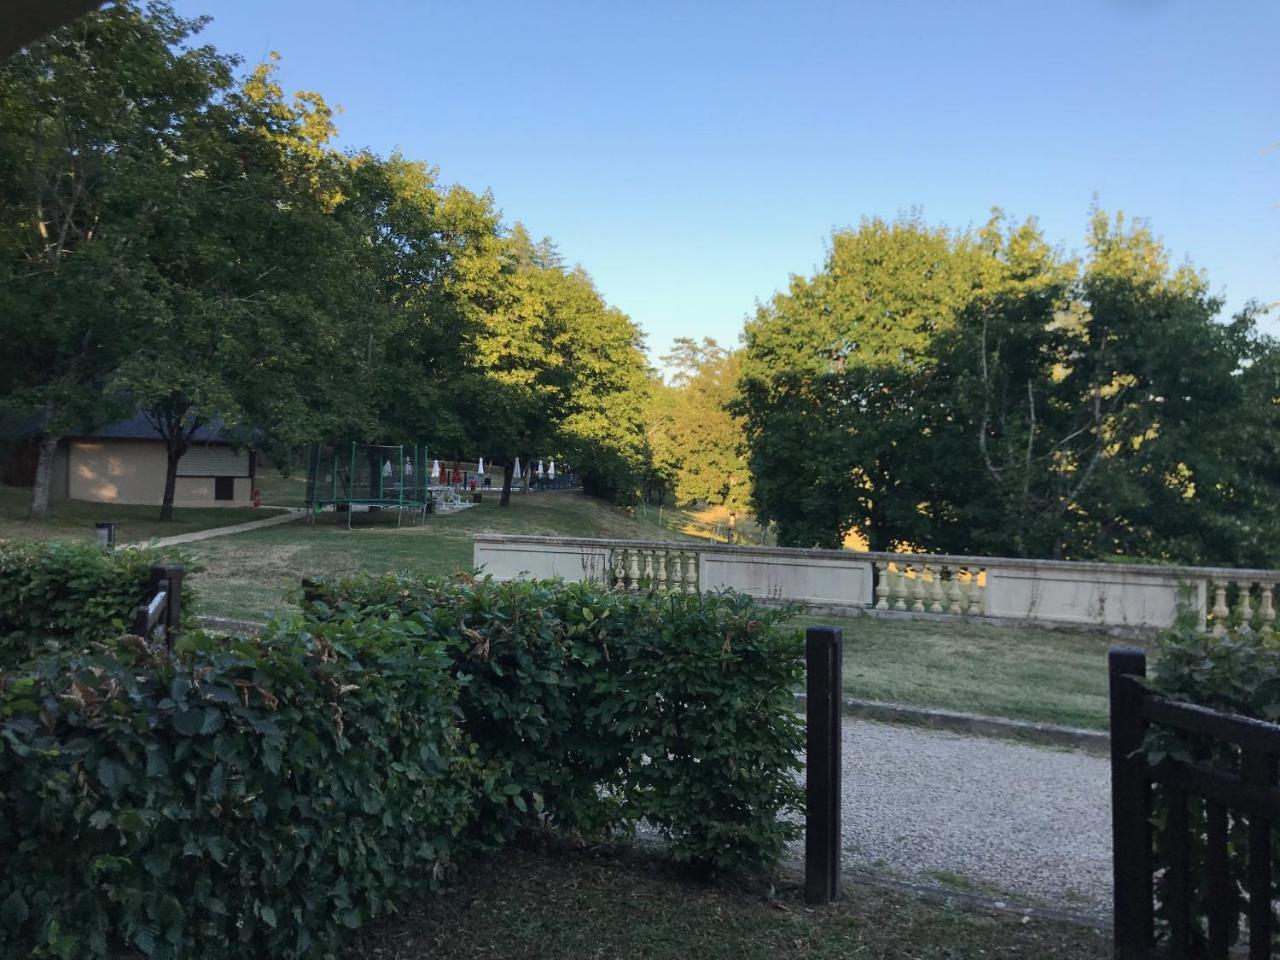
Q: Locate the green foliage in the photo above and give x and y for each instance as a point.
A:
(1240, 674)
(59, 594)
(980, 393)
(247, 798)
(259, 797)
(696, 443)
(231, 265)
(611, 708)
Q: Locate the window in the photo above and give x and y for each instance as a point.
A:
(224, 488)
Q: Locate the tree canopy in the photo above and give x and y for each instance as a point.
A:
(187, 242)
(981, 392)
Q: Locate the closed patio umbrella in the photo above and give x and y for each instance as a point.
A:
(480, 468)
(541, 471)
(515, 471)
(552, 471)
(435, 469)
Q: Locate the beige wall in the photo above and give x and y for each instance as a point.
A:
(132, 471)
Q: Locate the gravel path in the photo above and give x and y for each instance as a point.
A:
(1029, 821)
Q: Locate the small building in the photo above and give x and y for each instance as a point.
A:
(125, 462)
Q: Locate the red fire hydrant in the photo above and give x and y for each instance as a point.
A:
(257, 499)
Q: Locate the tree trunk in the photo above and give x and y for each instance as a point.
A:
(44, 478)
(175, 452)
(508, 471)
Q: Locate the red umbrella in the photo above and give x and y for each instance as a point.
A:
(457, 473)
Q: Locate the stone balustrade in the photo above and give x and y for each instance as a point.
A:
(661, 568)
(919, 585)
(1104, 595)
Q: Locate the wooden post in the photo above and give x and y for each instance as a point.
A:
(173, 611)
(823, 656)
(1130, 808)
(310, 590)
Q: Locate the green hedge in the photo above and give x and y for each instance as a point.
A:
(56, 594)
(609, 708)
(1238, 673)
(252, 799)
(260, 797)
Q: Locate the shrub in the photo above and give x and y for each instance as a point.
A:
(606, 709)
(58, 594)
(246, 798)
(1238, 673)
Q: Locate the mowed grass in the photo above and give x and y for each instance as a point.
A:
(1045, 676)
(547, 904)
(75, 519)
(251, 575)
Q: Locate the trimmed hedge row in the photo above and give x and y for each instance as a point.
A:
(1238, 673)
(59, 594)
(249, 799)
(609, 708)
(260, 797)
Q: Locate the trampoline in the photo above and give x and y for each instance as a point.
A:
(355, 477)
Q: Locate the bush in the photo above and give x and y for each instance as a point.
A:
(606, 709)
(1238, 673)
(259, 797)
(248, 798)
(59, 594)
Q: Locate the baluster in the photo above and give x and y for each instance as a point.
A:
(917, 589)
(1244, 606)
(661, 562)
(619, 570)
(648, 569)
(975, 592)
(1266, 612)
(954, 593)
(901, 586)
(691, 572)
(633, 569)
(935, 589)
(882, 585)
(1220, 611)
(677, 571)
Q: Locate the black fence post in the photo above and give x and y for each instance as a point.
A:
(310, 590)
(824, 660)
(1130, 808)
(173, 612)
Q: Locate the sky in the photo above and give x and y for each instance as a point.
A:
(693, 156)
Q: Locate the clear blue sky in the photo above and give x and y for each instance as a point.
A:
(693, 155)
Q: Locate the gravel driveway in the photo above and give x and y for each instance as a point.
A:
(1029, 821)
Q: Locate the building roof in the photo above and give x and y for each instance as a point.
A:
(138, 427)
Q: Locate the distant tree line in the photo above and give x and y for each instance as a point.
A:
(182, 239)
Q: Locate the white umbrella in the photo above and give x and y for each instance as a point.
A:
(435, 469)
(408, 467)
(386, 469)
(541, 472)
(480, 468)
(552, 472)
(515, 471)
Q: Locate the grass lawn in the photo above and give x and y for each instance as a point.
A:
(1047, 676)
(74, 519)
(251, 574)
(531, 904)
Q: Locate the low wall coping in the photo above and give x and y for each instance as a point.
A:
(1092, 566)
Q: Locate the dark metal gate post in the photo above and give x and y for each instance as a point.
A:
(824, 658)
(1130, 808)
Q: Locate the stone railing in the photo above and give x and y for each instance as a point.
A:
(661, 567)
(1057, 592)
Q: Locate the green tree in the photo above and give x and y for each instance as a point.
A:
(693, 435)
(89, 117)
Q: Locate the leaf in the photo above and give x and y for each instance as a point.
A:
(13, 912)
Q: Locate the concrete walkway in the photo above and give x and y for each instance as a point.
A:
(995, 816)
(289, 517)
